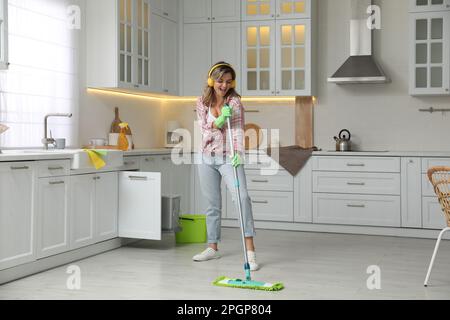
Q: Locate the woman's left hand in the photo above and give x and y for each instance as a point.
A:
(236, 161)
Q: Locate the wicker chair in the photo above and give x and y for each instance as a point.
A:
(440, 179)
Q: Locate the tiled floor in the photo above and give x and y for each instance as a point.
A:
(311, 266)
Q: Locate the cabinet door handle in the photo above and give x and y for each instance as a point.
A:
(262, 181)
(356, 165)
(209, 18)
(165, 13)
(138, 178)
(20, 168)
(55, 168)
(56, 182)
(149, 159)
(166, 158)
(127, 163)
(356, 183)
(356, 206)
(262, 202)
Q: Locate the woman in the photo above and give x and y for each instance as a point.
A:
(219, 102)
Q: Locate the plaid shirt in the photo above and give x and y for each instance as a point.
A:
(214, 141)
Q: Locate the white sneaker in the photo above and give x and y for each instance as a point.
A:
(208, 254)
(251, 255)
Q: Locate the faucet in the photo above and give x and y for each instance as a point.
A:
(46, 141)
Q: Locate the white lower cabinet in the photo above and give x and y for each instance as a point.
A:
(355, 209)
(93, 204)
(271, 196)
(17, 217)
(432, 215)
(140, 205)
(357, 191)
(52, 216)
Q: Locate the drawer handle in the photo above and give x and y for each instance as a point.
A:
(56, 182)
(263, 202)
(356, 206)
(262, 181)
(166, 158)
(20, 168)
(356, 183)
(356, 165)
(96, 178)
(138, 178)
(149, 159)
(127, 163)
(55, 168)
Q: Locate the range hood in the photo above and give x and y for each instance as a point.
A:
(360, 67)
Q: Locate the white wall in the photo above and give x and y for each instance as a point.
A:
(382, 116)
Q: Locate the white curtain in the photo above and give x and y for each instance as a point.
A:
(43, 73)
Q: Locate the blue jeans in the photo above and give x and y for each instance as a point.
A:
(211, 170)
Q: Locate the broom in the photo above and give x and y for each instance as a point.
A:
(248, 283)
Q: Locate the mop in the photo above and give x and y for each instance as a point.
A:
(248, 283)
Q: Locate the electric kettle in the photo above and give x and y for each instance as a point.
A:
(343, 141)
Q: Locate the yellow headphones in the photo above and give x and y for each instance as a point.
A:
(214, 67)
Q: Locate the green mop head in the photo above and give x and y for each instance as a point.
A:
(248, 284)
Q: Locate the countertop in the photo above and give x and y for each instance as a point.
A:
(29, 155)
(384, 153)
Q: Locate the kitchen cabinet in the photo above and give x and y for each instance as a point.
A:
(165, 8)
(175, 179)
(357, 190)
(94, 208)
(201, 11)
(432, 215)
(203, 47)
(280, 9)
(140, 205)
(277, 58)
(271, 196)
(430, 53)
(163, 51)
(118, 44)
(428, 5)
(411, 185)
(52, 208)
(17, 215)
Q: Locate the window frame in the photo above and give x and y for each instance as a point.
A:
(4, 35)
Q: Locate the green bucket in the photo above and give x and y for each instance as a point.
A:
(193, 229)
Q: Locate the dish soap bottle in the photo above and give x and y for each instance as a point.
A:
(122, 142)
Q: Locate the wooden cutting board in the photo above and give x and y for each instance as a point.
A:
(253, 136)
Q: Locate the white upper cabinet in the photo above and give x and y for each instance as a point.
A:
(200, 11)
(258, 9)
(293, 57)
(428, 5)
(280, 9)
(258, 58)
(118, 44)
(196, 57)
(430, 53)
(165, 8)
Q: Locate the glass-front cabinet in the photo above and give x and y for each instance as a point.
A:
(293, 61)
(430, 53)
(134, 43)
(258, 74)
(429, 5)
(270, 9)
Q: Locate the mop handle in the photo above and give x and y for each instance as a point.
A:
(238, 200)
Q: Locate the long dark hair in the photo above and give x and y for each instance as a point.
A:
(209, 97)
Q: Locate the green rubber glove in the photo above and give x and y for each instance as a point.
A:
(236, 161)
(225, 114)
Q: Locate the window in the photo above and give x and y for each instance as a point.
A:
(43, 74)
(3, 34)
